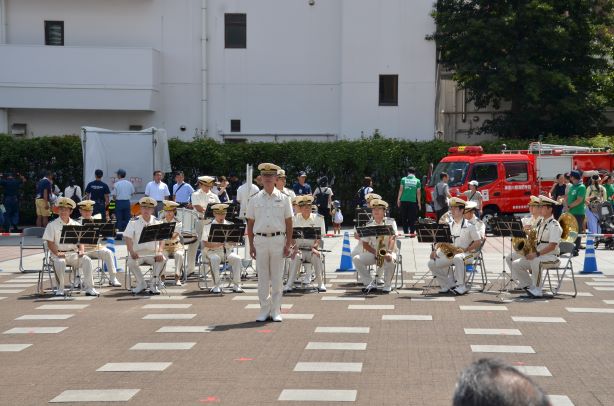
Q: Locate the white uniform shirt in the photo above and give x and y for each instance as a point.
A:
(372, 241)
(53, 231)
(549, 232)
(244, 193)
(133, 231)
(463, 234)
(204, 199)
(178, 228)
(479, 226)
(269, 212)
(289, 192)
(207, 231)
(314, 220)
(157, 191)
(530, 221)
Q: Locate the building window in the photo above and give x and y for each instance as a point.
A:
(135, 127)
(235, 126)
(235, 30)
(54, 33)
(388, 90)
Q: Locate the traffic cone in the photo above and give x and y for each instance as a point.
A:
(590, 262)
(346, 256)
(111, 247)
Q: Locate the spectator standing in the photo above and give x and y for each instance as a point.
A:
(220, 189)
(157, 190)
(233, 186)
(474, 195)
(182, 191)
(123, 190)
(409, 201)
(361, 195)
(11, 185)
(73, 192)
(323, 198)
(595, 196)
(99, 192)
(44, 191)
(441, 194)
(608, 184)
(301, 187)
(558, 193)
(575, 203)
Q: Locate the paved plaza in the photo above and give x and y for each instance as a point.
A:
(191, 347)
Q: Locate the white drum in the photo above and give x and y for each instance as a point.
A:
(190, 224)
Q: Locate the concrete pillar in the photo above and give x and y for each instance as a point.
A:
(4, 121)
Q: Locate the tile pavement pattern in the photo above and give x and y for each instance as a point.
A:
(341, 347)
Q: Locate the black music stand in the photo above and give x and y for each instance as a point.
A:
(307, 233)
(363, 216)
(432, 233)
(226, 234)
(507, 226)
(157, 232)
(86, 234)
(107, 229)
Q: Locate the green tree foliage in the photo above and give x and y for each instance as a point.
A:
(548, 62)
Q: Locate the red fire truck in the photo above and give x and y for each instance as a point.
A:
(506, 180)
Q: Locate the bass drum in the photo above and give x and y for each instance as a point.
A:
(190, 224)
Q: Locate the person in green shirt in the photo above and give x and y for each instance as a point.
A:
(575, 203)
(409, 201)
(608, 184)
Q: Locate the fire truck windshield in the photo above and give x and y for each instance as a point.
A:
(457, 171)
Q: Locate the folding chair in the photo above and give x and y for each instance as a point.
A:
(398, 270)
(31, 239)
(561, 267)
(45, 268)
(146, 275)
(478, 262)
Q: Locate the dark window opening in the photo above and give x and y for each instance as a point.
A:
(235, 30)
(235, 126)
(388, 90)
(54, 33)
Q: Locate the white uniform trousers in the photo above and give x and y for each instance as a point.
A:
(270, 268)
(178, 256)
(508, 260)
(215, 259)
(521, 268)
(107, 258)
(133, 266)
(363, 260)
(72, 259)
(295, 265)
(439, 267)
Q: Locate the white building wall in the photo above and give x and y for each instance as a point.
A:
(307, 70)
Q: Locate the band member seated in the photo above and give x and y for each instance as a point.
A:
(528, 223)
(173, 248)
(548, 239)
(149, 253)
(200, 200)
(369, 197)
(306, 250)
(465, 241)
(216, 252)
(470, 216)
(372, 247)
(67, 254)
(86, 208)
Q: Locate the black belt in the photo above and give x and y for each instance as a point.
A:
(270, 234)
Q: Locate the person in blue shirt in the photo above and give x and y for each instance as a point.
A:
(99, 192)
(182, 191)
(302, 188)
(11, 185)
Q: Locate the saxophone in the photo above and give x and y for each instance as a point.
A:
(525, 246)
(381, 252)
(448, 249)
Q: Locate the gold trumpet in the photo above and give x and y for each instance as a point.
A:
(381, 252)
(448, 249)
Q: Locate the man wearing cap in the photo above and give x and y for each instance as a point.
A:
(200, 200)
(529, 222)
(409, 200)
(157, 190)
(470, 215)
(149, 253)
(182, 191)
(369, 197)
(467, 240)
(123, 191)
(281, 184)
(269, 229)
(548, 239)
(216, 252)
(371, 245)
(173, 248)
(306, 250)
(301, 188)
(67, 254)
(575, 203)
(86, 208)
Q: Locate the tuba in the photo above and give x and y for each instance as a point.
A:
(569, 224)
(448, 249)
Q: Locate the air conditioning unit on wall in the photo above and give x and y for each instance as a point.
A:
(19, 130)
